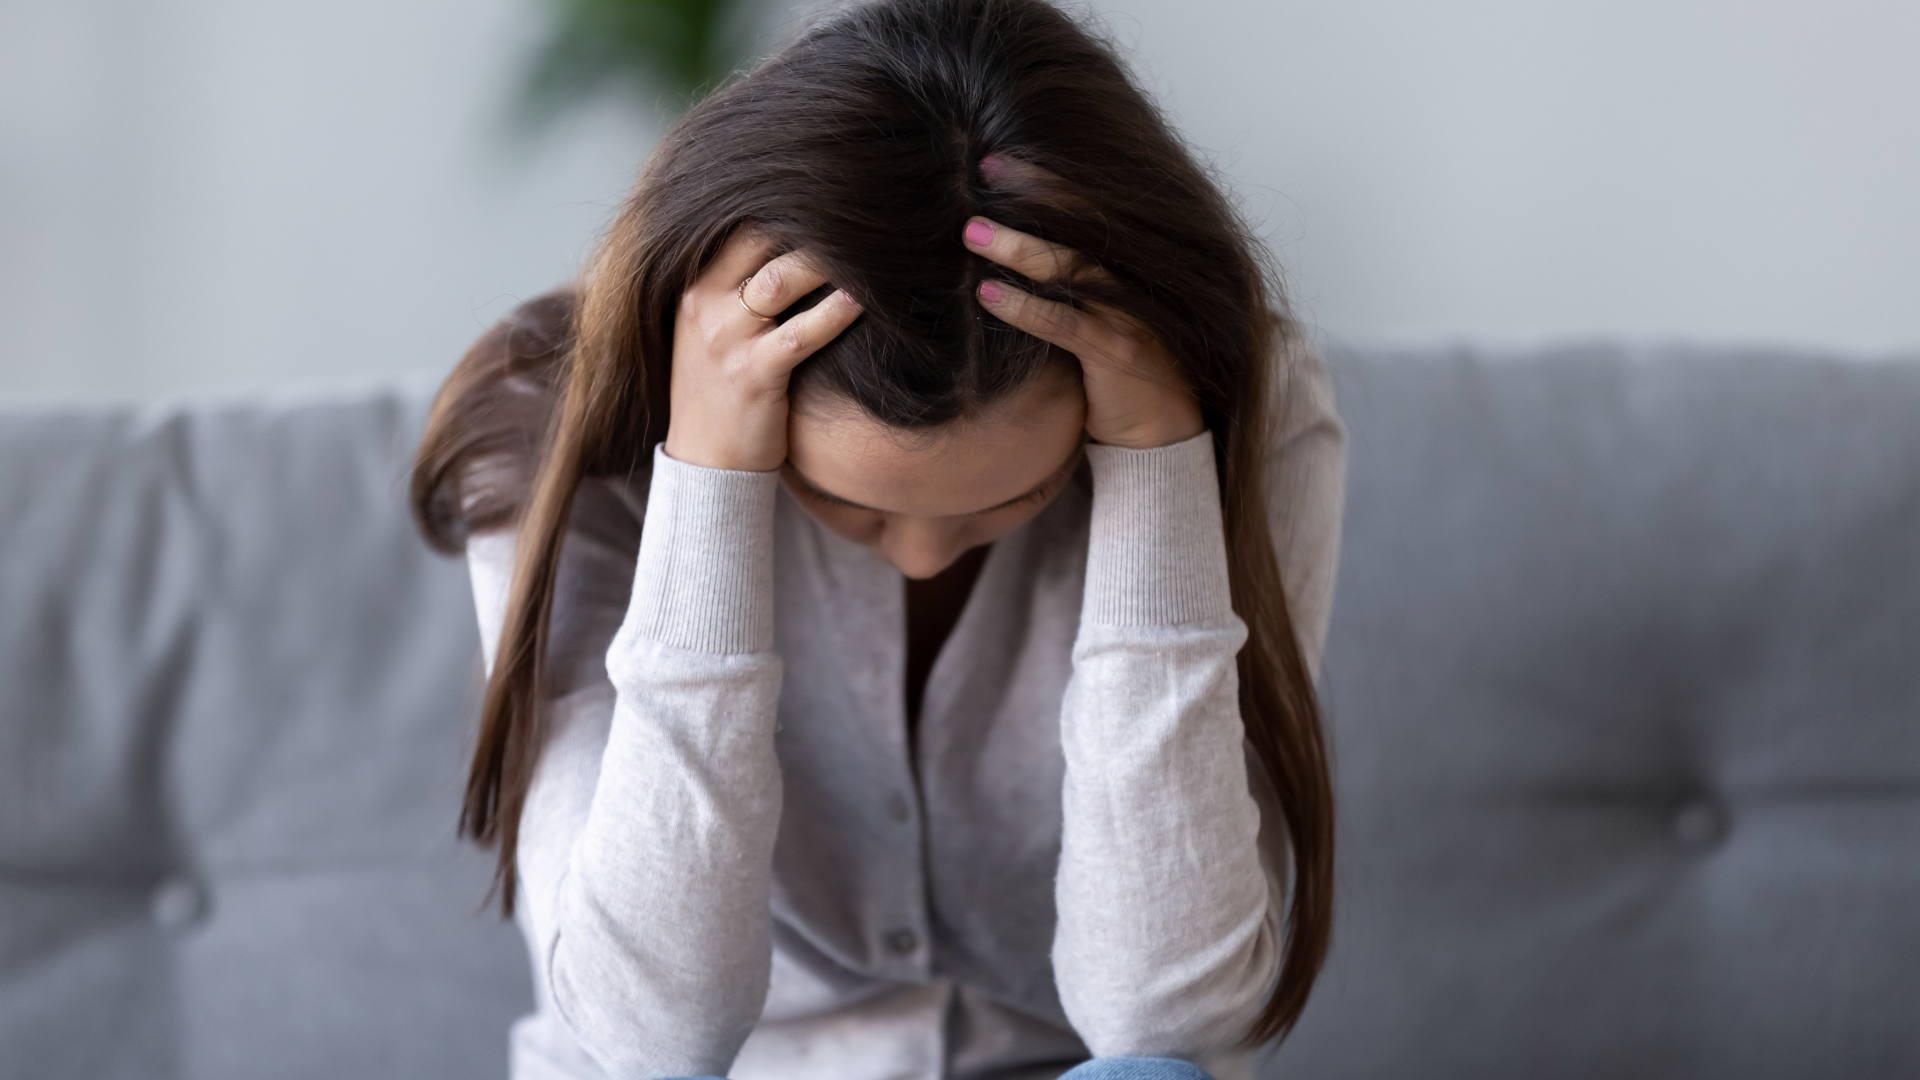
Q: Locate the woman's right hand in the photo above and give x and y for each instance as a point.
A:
(730, 366)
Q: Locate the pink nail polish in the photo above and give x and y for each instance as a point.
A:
(990, 292)
(979, 233)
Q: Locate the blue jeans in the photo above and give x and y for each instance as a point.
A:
(1136, 1068)
(1113, 1068)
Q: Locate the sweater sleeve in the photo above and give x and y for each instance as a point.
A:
(1306, 491)
(1168, 940)
(647, 839)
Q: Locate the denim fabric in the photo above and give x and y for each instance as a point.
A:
(1136, 1068)
(1113, 1068)
(1106, 1069)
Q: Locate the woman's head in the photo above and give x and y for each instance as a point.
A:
(920, 498)
(868, 142)
(871, 139)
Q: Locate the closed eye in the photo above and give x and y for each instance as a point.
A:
(1040, 494)
(1036, 495)
(819, 496)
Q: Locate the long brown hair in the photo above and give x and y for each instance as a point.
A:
(860, 141)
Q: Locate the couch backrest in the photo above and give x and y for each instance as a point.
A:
(237, 692)
(1625, 685)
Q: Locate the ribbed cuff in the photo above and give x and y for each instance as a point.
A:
(1157, 554)
(704, 578)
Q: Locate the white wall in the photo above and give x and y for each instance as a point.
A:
(230, 194)
(1703, 169)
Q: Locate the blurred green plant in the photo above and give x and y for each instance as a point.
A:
(656, 52)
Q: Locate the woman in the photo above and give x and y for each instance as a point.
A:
(949, 715)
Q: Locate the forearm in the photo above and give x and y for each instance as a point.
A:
(661, 943)
(1167, 939)
(647, 838)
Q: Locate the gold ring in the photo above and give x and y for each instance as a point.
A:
(741, 293)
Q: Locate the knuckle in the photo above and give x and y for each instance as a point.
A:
(763, 293)
(788, 340)
(1060, 319)
(1042, 261)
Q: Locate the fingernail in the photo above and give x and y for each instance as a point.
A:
(979, 233)
(990, 292)
(993, 167)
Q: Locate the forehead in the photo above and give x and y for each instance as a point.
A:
(959, 468)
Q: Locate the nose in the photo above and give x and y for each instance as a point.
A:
(921, 547)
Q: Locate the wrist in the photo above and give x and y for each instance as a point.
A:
(1176, 426)
(703, 578)
(691, 451)
(1156, 554)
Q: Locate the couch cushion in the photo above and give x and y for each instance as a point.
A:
(232, 742)
(1624, 680)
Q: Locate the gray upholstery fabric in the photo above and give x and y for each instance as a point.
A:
(235, 707)
(1625, 684)
(1624, 681)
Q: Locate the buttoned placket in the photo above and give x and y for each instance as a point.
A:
(936, 715)
(867, 602)
(906, 946)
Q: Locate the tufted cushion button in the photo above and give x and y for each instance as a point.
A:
(177, 902)
(902, 942)
(1699, 823)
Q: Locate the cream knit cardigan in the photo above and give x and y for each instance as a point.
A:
(733, 860)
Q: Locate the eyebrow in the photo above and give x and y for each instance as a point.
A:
(1065, 466)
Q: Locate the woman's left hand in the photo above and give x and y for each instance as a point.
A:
(1136, 397)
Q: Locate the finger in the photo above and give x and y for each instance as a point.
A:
(774, 287)
(1054, 323)
(746, 251)
(1007, 171)
(1030, 256)
(803, 335)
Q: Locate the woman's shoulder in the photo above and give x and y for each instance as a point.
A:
(595, 578)
(1306, 476)
(1299, 388)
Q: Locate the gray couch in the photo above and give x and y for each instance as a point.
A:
(1624, 683)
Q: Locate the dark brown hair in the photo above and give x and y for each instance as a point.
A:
(860, 142)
